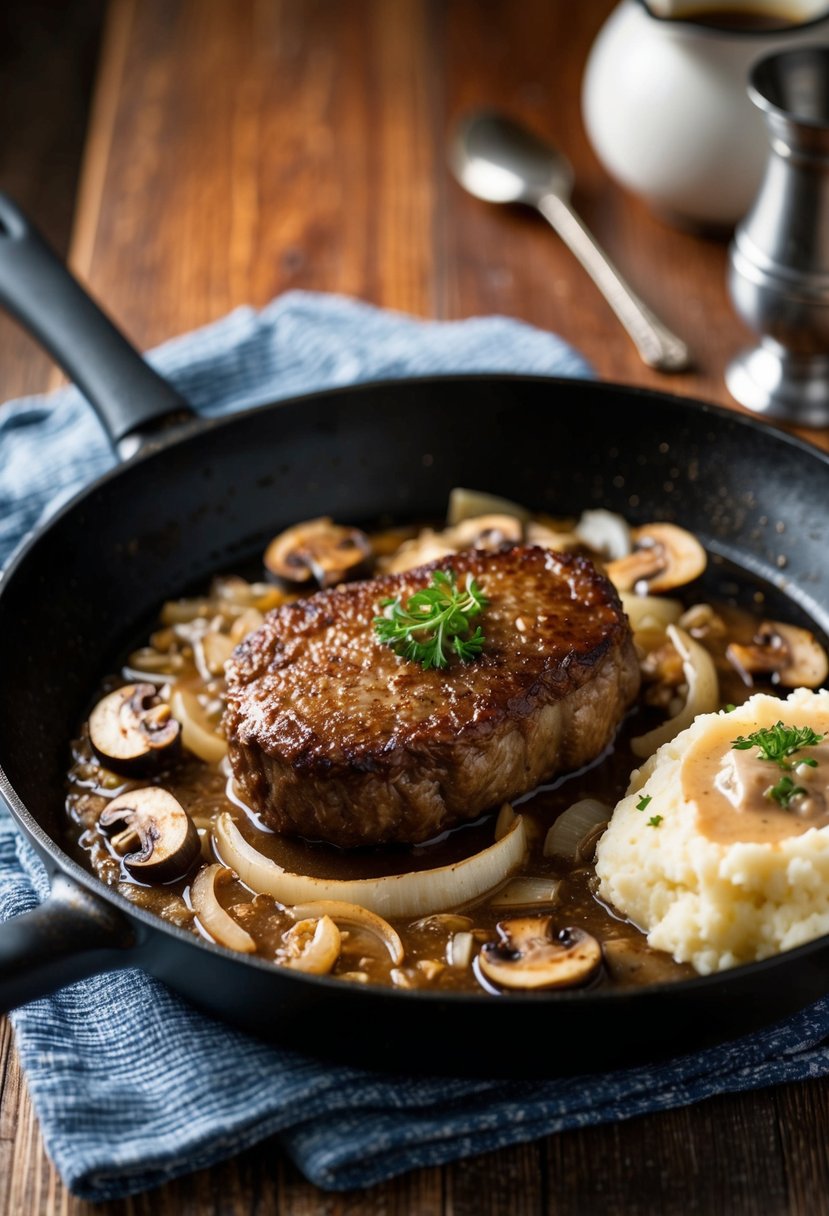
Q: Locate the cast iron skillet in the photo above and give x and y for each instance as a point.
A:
(207, 497)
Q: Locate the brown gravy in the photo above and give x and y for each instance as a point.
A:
(729, 787)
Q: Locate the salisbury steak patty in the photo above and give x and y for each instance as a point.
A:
(333, 737)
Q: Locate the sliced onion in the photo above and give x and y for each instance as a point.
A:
(650, 611)
(430, 967)
(416, 893)
(429, 546)
(181, 612)
(605, 532)
(353, 914)
(214, 649)
(467, 504)
(527, 892)
(149, 662)
(505, 820)
(572, 826)
(312, 946)
(703, 693)
(459, 950)
(197, 735)
(217, 923)
(247, 623)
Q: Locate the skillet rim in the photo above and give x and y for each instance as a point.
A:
(200, 424)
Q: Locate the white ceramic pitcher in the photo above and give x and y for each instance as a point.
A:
(665, 103)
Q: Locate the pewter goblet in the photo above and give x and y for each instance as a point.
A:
(779, 258)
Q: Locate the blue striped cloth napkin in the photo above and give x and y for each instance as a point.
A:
(117, 1120)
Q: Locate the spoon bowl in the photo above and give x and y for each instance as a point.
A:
(498, 160)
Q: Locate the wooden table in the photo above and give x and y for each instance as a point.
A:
(236, 149)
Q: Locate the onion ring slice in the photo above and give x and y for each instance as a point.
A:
(219, 925)
(416, 893)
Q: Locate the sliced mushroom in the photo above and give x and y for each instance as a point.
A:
(532, 955)
(632, 961)
(486, 532)
(664, 557)
(154, 835)
(318, 551)
(791, 656)
(132, 731)
(471, 504)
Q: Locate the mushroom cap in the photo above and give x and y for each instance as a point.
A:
(132, 731)
(154, 835)
(792, 656)
(532, 954)
(486, 532)
(318, 550)
(664, 557)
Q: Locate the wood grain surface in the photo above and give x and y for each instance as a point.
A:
(237, 149)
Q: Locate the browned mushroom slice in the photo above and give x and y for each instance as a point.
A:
(153, 834)
(132, 731)
(487, 532)
(630, 960)
(531, 954)
(787, 654)
(664, 557)
(318, 551)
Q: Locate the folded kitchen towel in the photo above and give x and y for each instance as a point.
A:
(170, 1090)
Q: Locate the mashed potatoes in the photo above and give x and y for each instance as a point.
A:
(713, 883)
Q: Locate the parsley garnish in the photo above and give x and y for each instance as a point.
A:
(784, 791)
(729, 708)
(654, 821)
(434, 620)
(778, 742)
(643, 803)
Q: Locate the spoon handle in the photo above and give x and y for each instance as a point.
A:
(658, 347)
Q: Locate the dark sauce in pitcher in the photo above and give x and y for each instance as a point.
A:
(745, 19)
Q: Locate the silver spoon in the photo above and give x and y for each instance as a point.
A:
(500, 161)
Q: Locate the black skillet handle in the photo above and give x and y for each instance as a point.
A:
(69, 937)
(36, 288)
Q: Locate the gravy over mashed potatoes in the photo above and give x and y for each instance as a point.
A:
(705, 859)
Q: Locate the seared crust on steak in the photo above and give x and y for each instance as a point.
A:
(334, 737)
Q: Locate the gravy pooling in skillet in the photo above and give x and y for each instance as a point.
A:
(440, 950)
